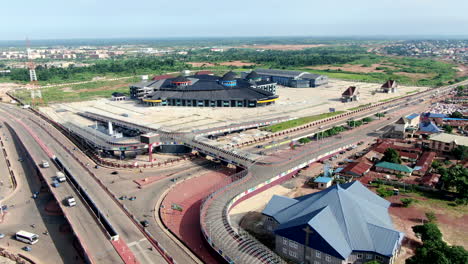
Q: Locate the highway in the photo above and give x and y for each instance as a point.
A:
(128, 231)
(89, 232)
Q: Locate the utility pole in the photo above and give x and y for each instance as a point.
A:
(307, 231)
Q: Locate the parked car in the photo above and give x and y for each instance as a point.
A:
(26, 248)
(145, 223)
(2, 235)
(114, 172)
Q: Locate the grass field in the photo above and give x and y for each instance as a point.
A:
(78, 92)
(359, 107)
(299, 121)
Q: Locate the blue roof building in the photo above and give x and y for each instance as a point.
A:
(323, 182)
(412, 116)
(429, 127)
(346, 223)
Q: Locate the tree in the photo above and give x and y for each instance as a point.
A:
(434, 249)
(391, 155)
(431, 217)
(456, 114)
(428, 231)
(406, 201)
(455, 178)
(447, 128)
(460, 152)
(304, 140)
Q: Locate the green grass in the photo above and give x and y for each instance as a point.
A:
(412, 92)
(389, 99)
(57, 94)
(299, 121)
(359, 107)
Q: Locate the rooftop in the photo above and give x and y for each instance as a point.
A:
(449, 138)
(345, 218)
(323, 180)
(394, 166)
(412, 116)
(358, 168)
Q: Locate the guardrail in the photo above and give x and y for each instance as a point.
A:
(102, 219)
(87, 256)
(237, 246)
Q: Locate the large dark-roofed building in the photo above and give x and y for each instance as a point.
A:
(296, 79)
(204, 90)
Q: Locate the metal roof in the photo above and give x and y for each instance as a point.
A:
(394, 166)
(280, 73)
(323, 179)
(345, 218)
(412, 116)
(429, 127)
(449, 138)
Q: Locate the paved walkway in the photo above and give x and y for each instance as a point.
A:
(185, 224)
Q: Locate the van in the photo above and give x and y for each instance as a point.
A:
(45, 164)
(70, 201)
(60, 177)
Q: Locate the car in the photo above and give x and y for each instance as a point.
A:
(133, 198)
(28, 249)
(145, 223)
(114, 172)
(2, 235)
(96, 167)
(20, 159)
(123, 197)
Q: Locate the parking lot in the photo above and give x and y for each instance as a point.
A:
(293, 102)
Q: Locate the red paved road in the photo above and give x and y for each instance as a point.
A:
(186, 224)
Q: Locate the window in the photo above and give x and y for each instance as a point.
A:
(292, 254)
(359, 256)
(327, 258)
(369, 256)
(285, 250)
(293, 244)
(318, 254)
(379, 258)
(316, 262)
(285, 241)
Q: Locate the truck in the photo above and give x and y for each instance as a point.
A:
(60, 177)
(70, 201)
(45, 164)
(26, 106)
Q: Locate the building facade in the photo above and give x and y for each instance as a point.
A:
(295, 79)
(342, 224)
(204, 90)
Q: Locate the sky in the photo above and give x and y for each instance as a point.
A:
(71, 19)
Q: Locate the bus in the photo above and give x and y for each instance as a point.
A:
(27, 237)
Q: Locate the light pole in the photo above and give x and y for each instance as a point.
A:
(307, 231)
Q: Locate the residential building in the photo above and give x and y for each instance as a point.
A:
(323, 182)
(393, 168)
(444, 142)
(424, 163)
(356, 169)
(345, 223)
